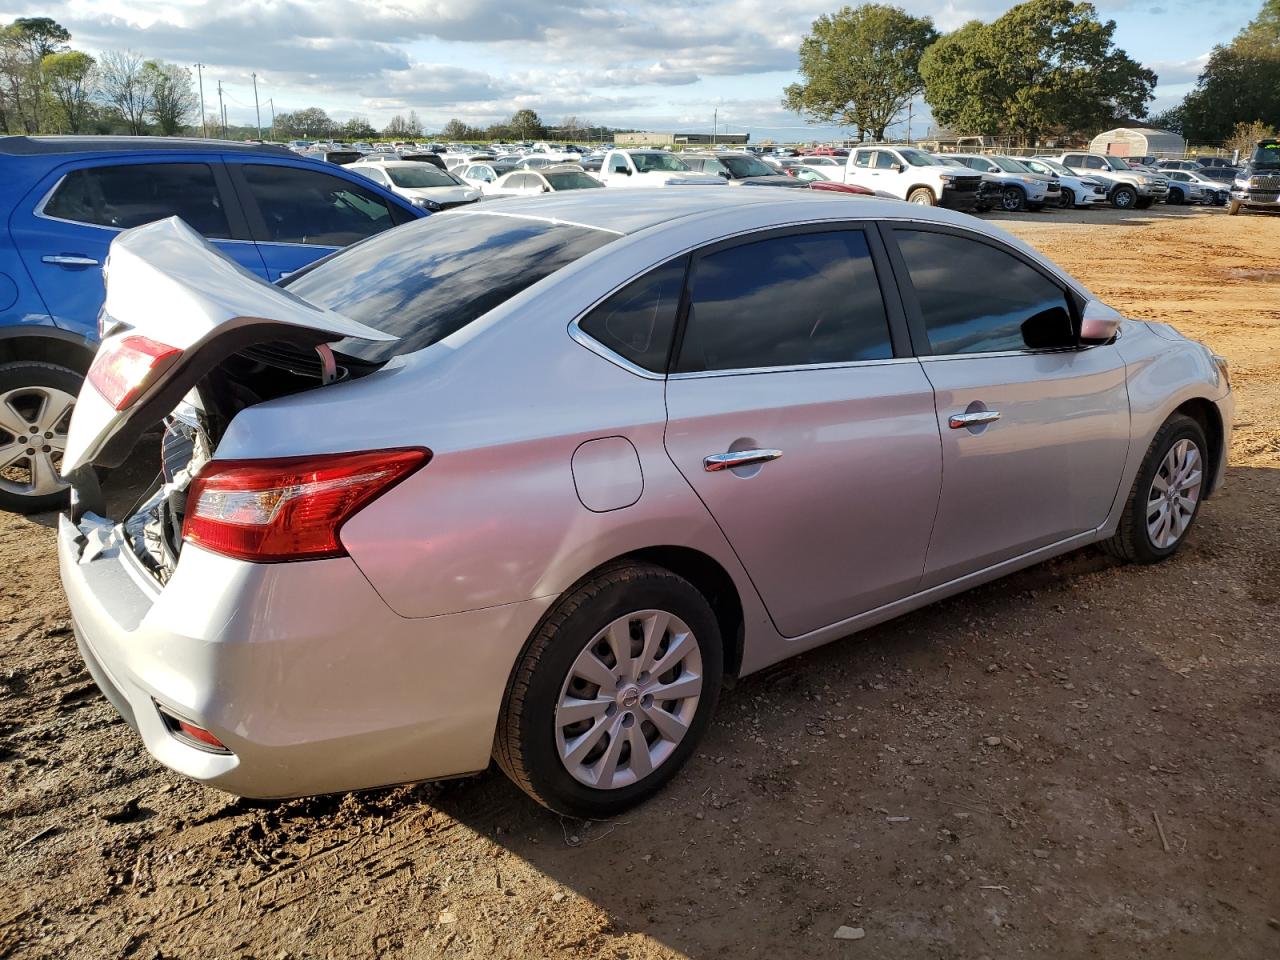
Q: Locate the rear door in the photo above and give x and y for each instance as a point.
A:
(67, 223)
(798, 416)
(1034, 425)
(301, 212)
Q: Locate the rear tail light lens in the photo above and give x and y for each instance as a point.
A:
(271, 511)
(189, 733)
(122, 371)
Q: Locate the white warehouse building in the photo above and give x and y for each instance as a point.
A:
(1139, 142)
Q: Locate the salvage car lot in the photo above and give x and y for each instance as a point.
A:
(1078, 760)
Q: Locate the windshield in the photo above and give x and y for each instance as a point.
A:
(744, 166)
(658, 162)
(420, 175)
(918, 158)
(571, 180)
(808, 174)
(1266, 155)
(435, 276)
(1056, 167)
(1115, 163)
(1008, 164)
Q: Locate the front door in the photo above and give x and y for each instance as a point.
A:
(810, 439)
(1034, 426)
(66, 228)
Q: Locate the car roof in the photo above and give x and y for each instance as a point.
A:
(36, 146)
(617, 210)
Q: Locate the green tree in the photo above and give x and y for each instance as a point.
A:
(308, 123)
(1240, 83)
(861, 66)
(1045, 66)
(357, 128)
(174, 102)
(23, 46)
(527, 125)
(455, 129)
(71, 78)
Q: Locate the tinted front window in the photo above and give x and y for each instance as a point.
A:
(572, 180)
(748, 167)
(637, 321)
(976, 298)
(787, 301)
(307, 206)
(130, 195)
(435, 276)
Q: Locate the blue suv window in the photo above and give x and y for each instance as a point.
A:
(308, 206)
(129, 195)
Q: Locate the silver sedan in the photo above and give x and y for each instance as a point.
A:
(531, 481)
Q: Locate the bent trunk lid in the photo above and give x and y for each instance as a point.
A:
(167, 283)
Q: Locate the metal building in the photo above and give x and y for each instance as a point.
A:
(1139, 142)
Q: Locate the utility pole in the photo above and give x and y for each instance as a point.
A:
(910, 105)
(715, 125)
(222, 111)
(272, 104)
(256, 112)
(204, 117)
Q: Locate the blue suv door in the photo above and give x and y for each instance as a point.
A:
(66, 224)
(304, 210)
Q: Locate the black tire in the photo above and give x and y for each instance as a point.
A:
(525, 741)
(35, 375)
(1067, 199)
(1012, 199)
(1175, 197)
(1132, 541)
(1124, 198)
(923, 196)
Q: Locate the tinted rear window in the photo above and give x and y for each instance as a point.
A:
(433, 277)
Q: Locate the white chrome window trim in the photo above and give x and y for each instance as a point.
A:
(600, 350)
(791, 368)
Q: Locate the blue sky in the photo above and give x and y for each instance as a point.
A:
(654, 66)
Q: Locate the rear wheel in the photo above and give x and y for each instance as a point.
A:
(613, 692)
(923, 196)
(36, 400)
(1123, 198)
(1166, 495)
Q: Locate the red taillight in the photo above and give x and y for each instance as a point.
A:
(121, 372)
(201, 734)
(293, 508)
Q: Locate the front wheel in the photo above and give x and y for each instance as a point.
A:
(1012, 199)
(1175, 197)
(1166, 495)
(1067, 199)
(922, 196)
(612, 693)
(1123, 198)
(36, 400)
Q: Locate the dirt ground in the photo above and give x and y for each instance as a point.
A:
(1078, 761)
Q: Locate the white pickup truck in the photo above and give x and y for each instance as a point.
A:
(650, 168)
(918, 177)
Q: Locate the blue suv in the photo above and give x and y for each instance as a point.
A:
(64, 199)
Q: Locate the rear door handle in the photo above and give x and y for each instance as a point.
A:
(69, 260)
(977, 418)
(738, 458)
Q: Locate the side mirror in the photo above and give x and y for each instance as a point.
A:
(1100, 322)
(626, 170)
(725, 174)
(901, 167)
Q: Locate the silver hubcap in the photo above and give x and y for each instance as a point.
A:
(1012, 200)
(629, 699)
(1175, 491)
(33, 435)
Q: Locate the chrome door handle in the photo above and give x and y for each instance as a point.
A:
(738, 458)
(975, 419)
(69, 260)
